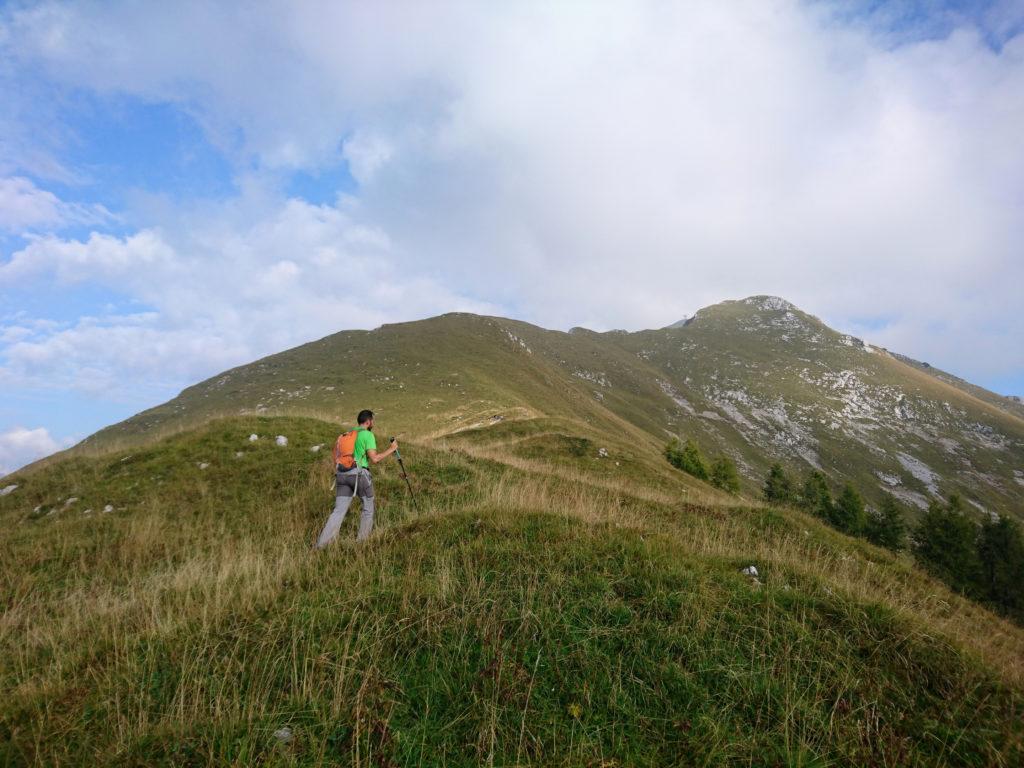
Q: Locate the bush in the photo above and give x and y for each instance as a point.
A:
(724, 475)
(687, 458)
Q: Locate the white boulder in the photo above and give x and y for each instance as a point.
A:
(750, 570)
(8, 489)
(281, 440)
(253, 438)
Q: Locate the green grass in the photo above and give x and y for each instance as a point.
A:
(455, 373)
(521, 618)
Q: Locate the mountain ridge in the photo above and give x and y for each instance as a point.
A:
(757, 379)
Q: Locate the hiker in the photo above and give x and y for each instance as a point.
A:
(353, 453)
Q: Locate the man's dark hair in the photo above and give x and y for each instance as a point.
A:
(364, 416)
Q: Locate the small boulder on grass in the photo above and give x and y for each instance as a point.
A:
(253, 438)
(284, 735)
(282, 441)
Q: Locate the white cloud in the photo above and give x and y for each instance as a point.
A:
(220, 296)
(606, 165)
(20, 446)
(25, 207)
(365, 154)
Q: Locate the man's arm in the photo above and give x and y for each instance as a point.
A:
(375, 457)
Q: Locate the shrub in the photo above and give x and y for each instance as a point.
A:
(687, 458)
(724, 475)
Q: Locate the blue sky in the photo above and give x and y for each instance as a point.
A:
(185, 189)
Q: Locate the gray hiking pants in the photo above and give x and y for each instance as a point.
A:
(354, 482)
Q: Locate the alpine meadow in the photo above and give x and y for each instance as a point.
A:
(563, 595)
(523, 384)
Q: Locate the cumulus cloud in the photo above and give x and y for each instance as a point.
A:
(614, 166)
(218, 296)
(20, 446)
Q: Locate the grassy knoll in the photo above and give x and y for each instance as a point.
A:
(542, 609)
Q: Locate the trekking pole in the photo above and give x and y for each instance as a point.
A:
(405, 476)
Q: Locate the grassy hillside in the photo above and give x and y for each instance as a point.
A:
(546, 606)
(757, 380)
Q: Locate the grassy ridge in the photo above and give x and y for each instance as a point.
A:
(541, 610)
(753, 380)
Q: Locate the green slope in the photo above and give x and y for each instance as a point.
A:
(544, 608)
(756, 379)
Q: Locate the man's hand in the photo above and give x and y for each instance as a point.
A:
(375, 457)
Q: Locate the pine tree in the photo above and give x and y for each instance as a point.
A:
(778, 489)
(724, 475)
(815, 496)
(1001, 552)
(945, 544)
(848, 511)
(886, 527)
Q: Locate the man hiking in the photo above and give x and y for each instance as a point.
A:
(352, 456)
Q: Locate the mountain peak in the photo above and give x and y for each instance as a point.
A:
(770, 304)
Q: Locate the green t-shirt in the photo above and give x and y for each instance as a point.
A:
(365, 441)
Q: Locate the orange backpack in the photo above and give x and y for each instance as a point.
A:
(345, 450)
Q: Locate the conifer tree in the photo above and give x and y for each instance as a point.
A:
(945, 543)
(887, 527)
(724, 475)
(815, 496)
(778, 489)
(848, 511)
(1001, 551)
